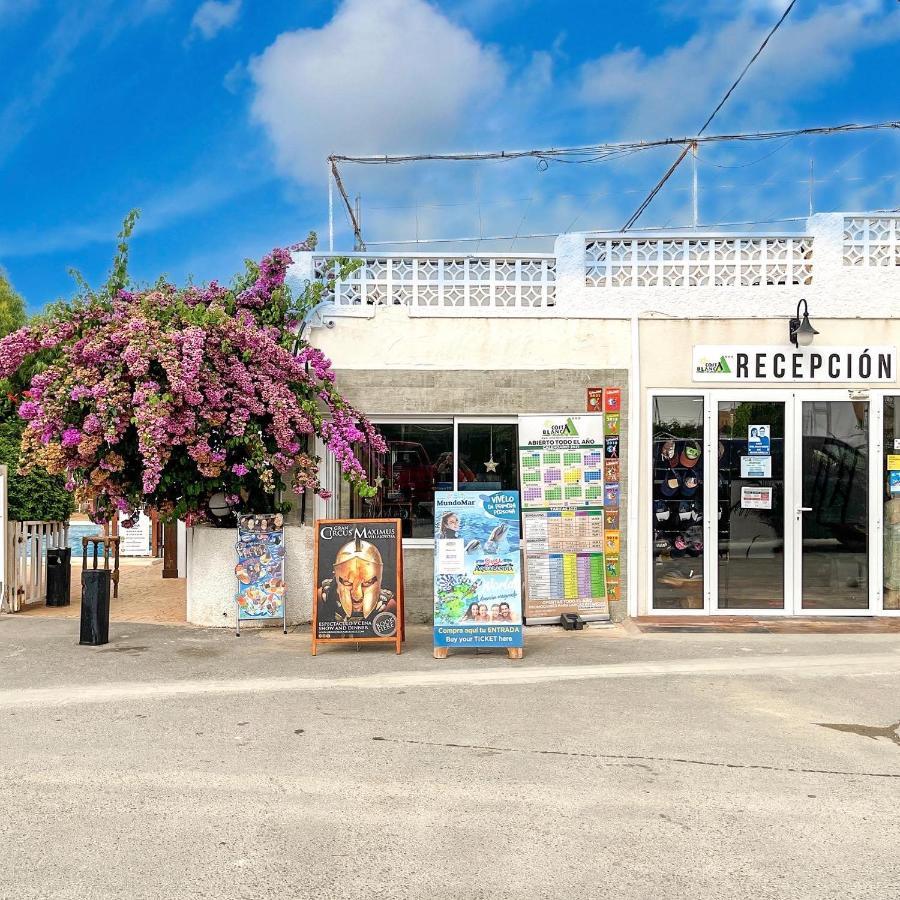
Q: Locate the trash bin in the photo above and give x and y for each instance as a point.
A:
(59, 576)
(95, 606)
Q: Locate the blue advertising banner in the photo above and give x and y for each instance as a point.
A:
(260, 567)
(477, 569)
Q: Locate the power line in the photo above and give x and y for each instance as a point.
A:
(658, 187)
(590, 153)
(744, 71)
(557, 153)
(588, 232)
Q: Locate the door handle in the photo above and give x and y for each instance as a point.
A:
(804, 509)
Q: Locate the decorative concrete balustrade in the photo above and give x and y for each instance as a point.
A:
(843, 264)
(454, 282)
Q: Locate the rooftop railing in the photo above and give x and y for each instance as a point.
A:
(725, 261)
(526, 281)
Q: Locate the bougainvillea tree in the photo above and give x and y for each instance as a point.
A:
(162, 397)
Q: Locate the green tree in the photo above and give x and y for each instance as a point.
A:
(38, 496)
(12, 307)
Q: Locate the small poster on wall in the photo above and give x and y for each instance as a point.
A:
(135, 541)
(260, 568)
(477, 570)
(358, 582)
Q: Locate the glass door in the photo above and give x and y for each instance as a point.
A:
(751, 444)
(832, 516)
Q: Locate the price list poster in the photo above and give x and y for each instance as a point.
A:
(570, 537)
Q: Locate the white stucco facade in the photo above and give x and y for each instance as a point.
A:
(602, 303)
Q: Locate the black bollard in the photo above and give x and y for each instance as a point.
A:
(59, 576)
(95, 606)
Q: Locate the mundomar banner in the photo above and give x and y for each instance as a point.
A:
(477, 569)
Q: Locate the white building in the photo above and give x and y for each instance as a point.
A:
(445, 351)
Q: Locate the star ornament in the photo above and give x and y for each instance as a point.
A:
(379, 481)
(491, 465)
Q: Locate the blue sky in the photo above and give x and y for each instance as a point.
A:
(215, 119)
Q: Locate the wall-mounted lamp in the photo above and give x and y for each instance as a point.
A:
(800, 331)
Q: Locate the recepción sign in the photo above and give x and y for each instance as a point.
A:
(819, 365)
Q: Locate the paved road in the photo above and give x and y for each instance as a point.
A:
(178, 763)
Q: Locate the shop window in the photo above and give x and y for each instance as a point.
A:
(677, 504)
(488, 454)
(418, 462)
(891, 504)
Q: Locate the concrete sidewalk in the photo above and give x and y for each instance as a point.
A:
(182, 762)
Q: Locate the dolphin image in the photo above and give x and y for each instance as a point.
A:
(496, 536)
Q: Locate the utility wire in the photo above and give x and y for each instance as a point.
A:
(658, 187)
(557, 153)
(753, 59)
(593, 153)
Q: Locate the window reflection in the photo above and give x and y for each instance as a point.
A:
(677, 514)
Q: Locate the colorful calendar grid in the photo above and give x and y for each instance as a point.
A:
(571, 459)
(593, 459)
(573, 491)
(572, 476)
(532, 493)
(552, 494)
(593, 476)
(531, 461)
(552, 475)
(552, 458)
(593, 493)
(531, 477)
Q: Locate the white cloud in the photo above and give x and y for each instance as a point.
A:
(674, 91)
(214, 16)
(380, 77)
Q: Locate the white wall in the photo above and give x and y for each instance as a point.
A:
(393, 339)
(212, 585)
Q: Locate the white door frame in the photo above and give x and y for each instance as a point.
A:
(712, 500)
(874, 502)
(879, 451)
(793, 400)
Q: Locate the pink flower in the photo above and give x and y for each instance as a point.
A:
(240, 470)
(71, 437)
(28, 410)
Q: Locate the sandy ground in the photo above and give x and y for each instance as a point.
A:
(144, 596)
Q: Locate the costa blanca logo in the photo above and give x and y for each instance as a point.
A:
(566, 430)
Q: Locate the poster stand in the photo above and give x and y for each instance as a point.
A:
(351, 529)
(511, 652)
(477, 572)
(260, 570)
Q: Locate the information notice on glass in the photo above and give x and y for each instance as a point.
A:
(477, 569)
(570, 496)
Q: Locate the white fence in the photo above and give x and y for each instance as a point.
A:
(872, 241)
(526, 281)
(27, 544)
(739, 261)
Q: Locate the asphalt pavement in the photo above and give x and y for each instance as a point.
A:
(178, 763)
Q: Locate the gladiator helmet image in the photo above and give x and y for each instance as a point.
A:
(357, 578)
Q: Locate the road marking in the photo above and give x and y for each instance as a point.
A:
(849, 665)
